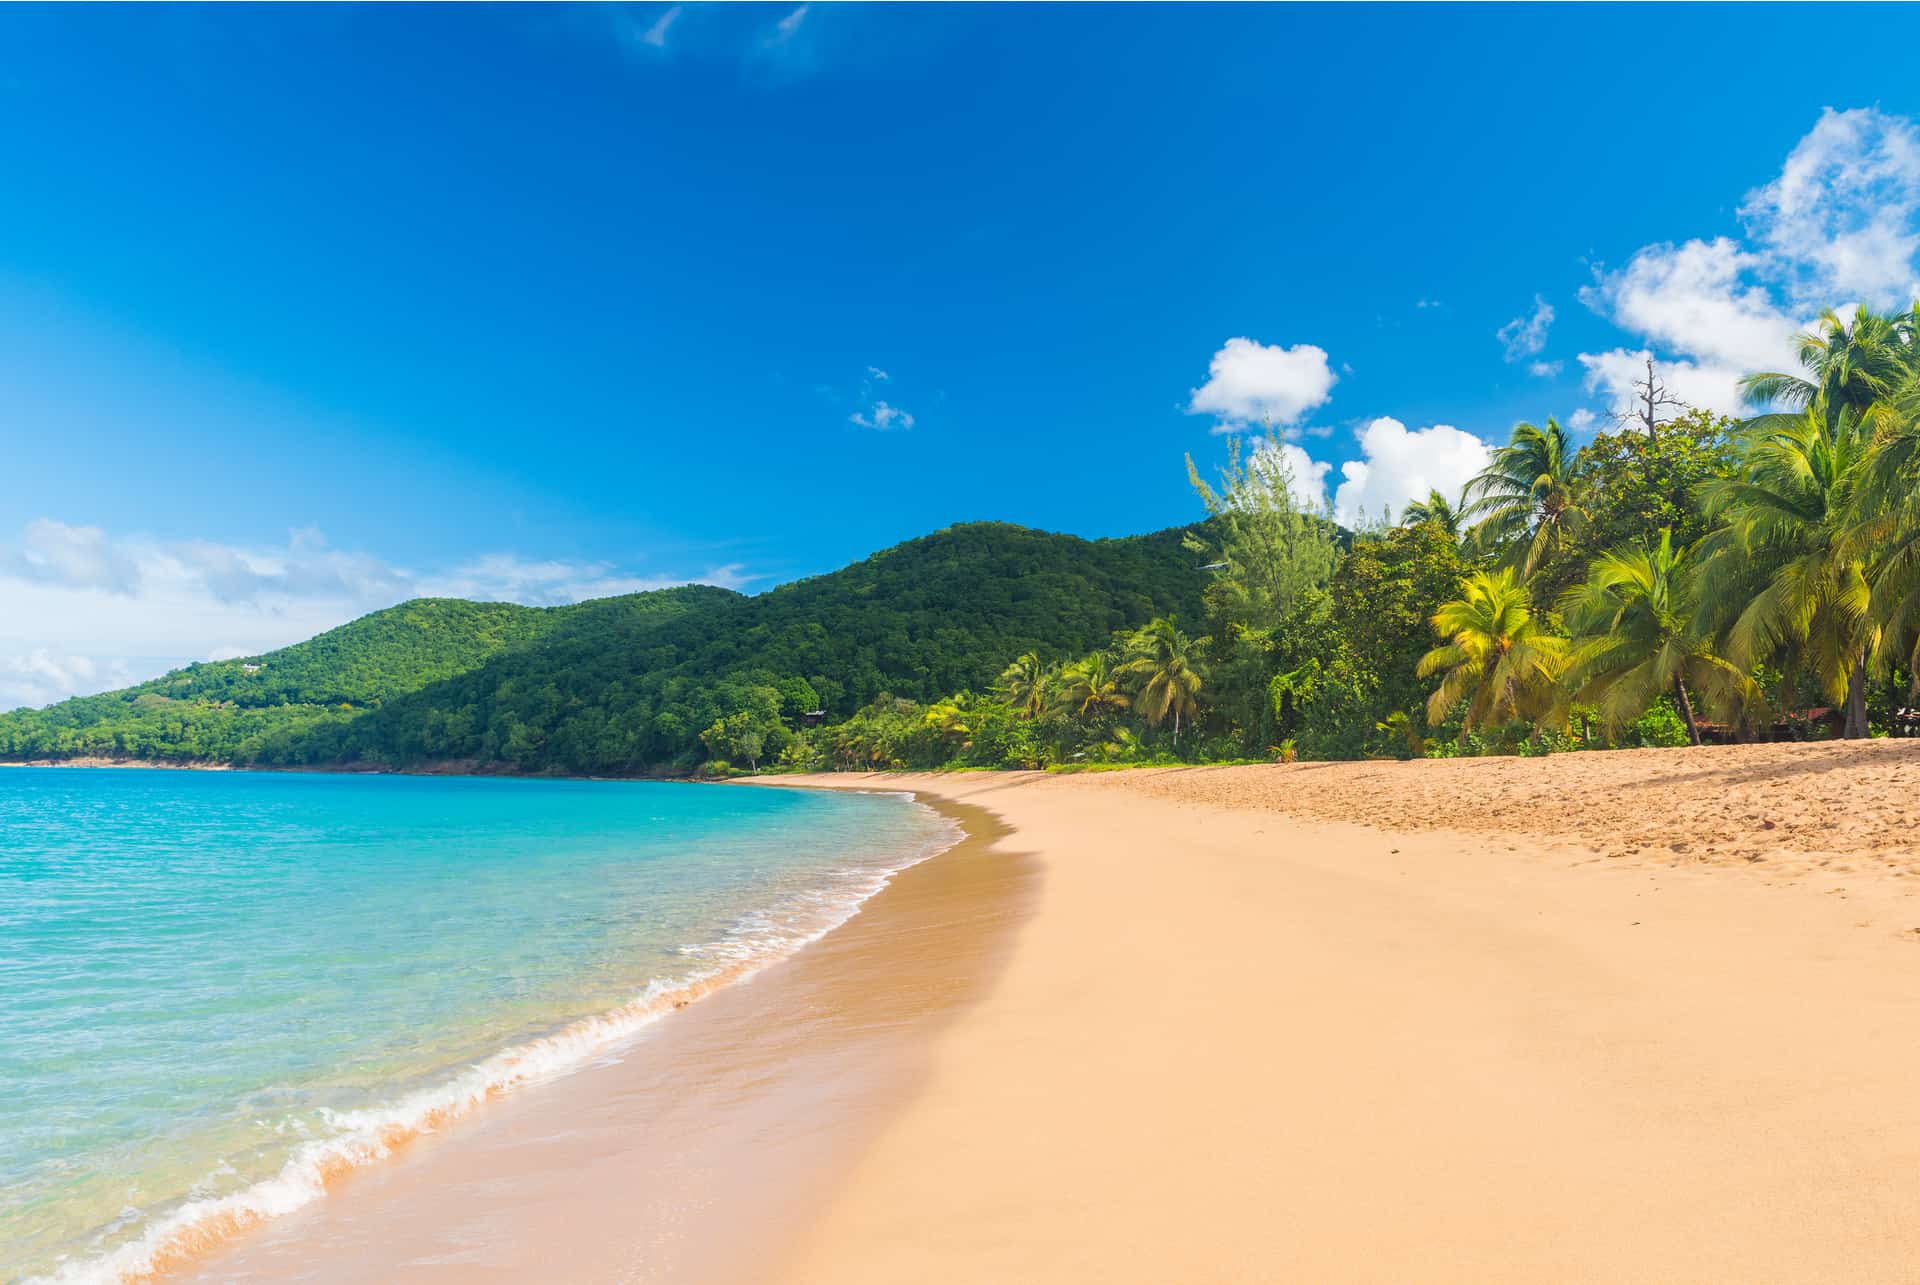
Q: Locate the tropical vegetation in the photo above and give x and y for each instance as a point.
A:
(1690, 579)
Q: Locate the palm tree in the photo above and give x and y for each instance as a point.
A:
(1786, 574)
(1400, 726)
(1435, 510)
(1497, 657)
(954, 720)
(1885, 524)
(1025, 684)
(1848, 365)
(1168, 671)
(1091, 690)
(1638, 635)
(1526, 502)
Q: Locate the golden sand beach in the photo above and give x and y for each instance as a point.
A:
(1640, 1016)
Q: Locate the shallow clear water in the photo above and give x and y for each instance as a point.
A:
(217, 987)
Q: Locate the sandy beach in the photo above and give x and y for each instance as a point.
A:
(1644, 1016)
(1238, 1045)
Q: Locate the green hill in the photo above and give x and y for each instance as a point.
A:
(626, 684)
(226, 711)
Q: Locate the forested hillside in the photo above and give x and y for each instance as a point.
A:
(230, 710)
(632, 683)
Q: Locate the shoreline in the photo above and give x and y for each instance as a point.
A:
(1183, 1027)
(690, 1103)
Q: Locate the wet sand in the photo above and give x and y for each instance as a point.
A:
(707, 1144)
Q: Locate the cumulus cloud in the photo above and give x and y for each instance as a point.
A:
(1700, 299)
(1840, 224)
(1581, 420)
(82, 610)
(1544, 369)
(1708, 385)
(1252, 383)
(1841, 217)
(1398, 465)
(1526, 336)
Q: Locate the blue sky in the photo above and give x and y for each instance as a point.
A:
(304, 310)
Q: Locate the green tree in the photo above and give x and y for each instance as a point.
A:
(1436, 510)
(1026, 684)
(1168, 671)
(1527, 502)
(1383, 596)
(1091, 689)
(1633, 487)
(1781, 580)
(737, 736)
(1267, 550)
(1638, 635)
(1359, 669)
(1846, 367)
(1884, 527)
(1497, 657)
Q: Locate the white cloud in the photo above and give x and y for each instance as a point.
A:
(84, 611)
(1428, 303)
(1251, 383)
(874, 411)
(503, 577)
(1526, 336)
(656, 35)
(881, 416)
(1840, 224)
(55, 553)
(1545, 369)
(1698, 299)
(1581, 420)
(1841, 218)
(1710, 386)
(1398, 465)
(40, 676)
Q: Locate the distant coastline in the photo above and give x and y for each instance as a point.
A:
(443, 767)
(96, 761)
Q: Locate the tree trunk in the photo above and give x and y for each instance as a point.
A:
(1686, 708)
(1176, 729)
(1855, 726)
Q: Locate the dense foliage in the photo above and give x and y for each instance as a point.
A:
(1682, 579)
(224, 711)
(638, 682)
(1670, 580)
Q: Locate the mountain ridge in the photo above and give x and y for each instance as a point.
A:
(624, 685)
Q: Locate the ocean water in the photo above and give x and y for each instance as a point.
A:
(217, 989)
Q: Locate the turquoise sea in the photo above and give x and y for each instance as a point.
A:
(218, 987)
